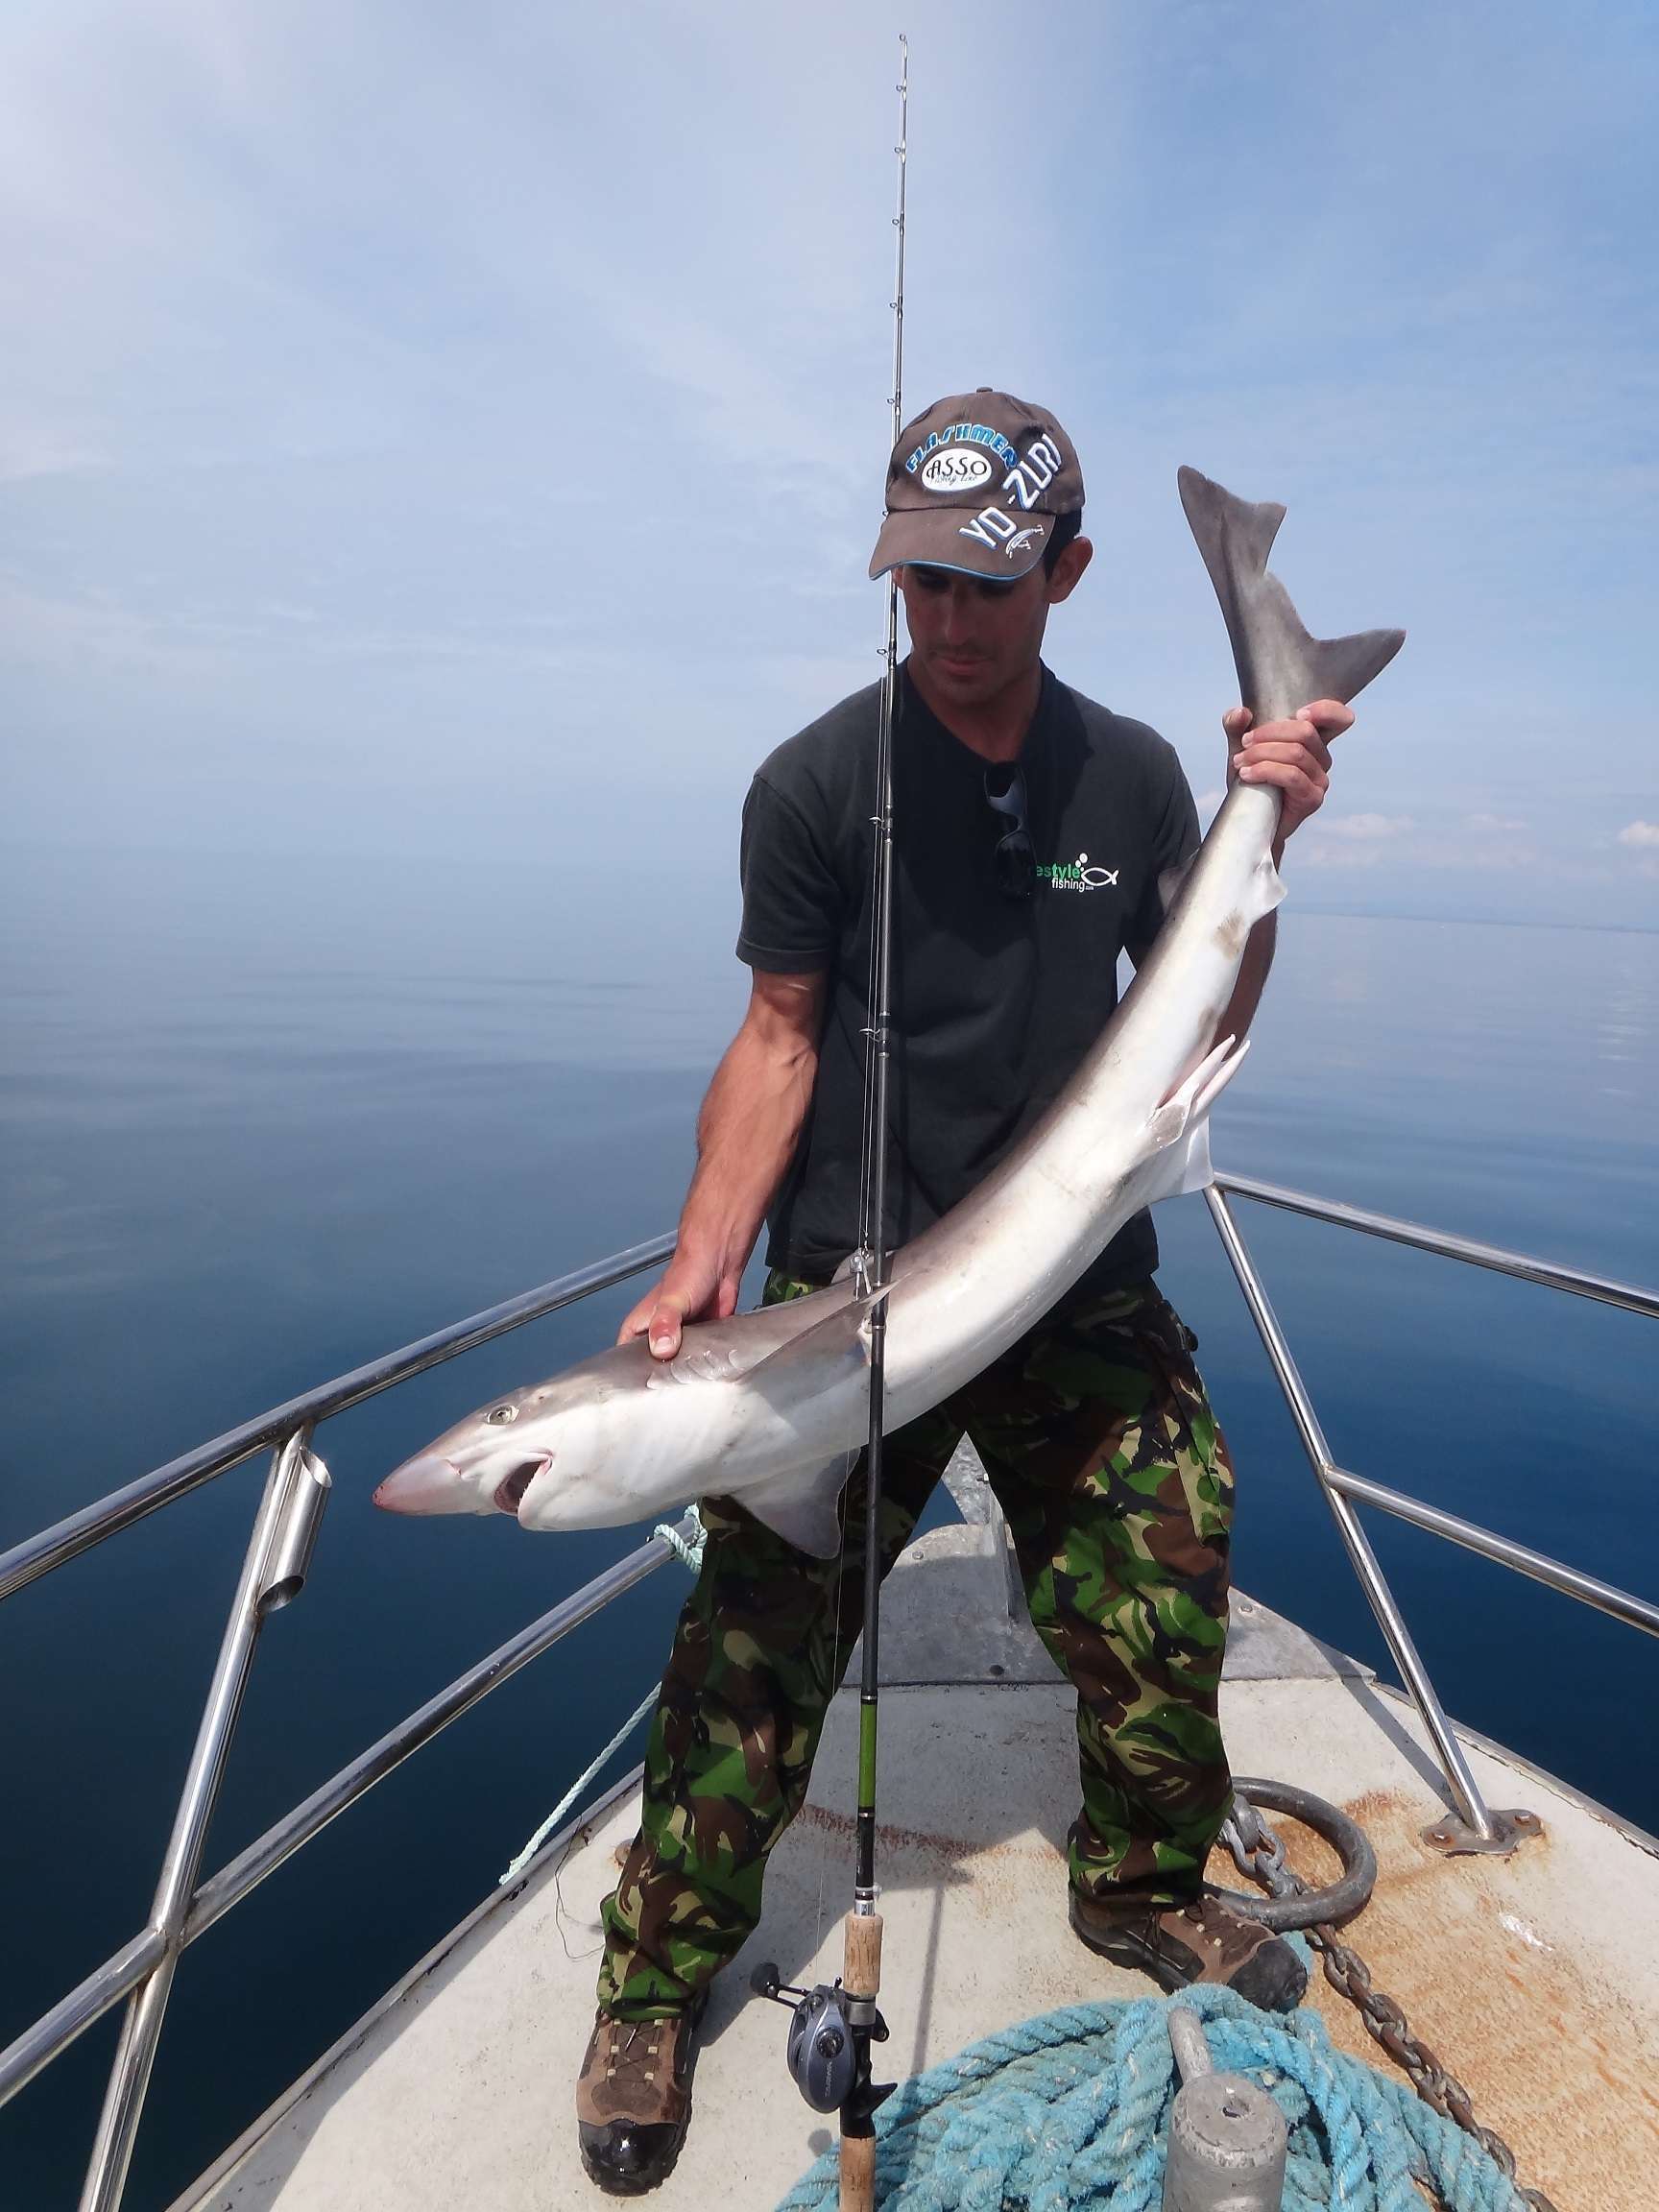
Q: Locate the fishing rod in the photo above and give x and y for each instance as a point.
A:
(861, 1963)
(835, 2026)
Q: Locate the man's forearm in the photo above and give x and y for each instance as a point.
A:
(745, 1135)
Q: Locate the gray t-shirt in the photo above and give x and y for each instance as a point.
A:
(995, 999)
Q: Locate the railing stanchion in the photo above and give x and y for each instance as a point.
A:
(293, 1489)
(101, 1991)
(1372, 1580)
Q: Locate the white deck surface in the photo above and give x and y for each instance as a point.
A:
(1536, 1978)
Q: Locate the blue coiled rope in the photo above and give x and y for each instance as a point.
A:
(1070, 2113)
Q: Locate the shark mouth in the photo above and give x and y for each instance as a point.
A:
(510, 1492)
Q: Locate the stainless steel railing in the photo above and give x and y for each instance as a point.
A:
(284, 1535)
(273, 1570)
(1341, 1488)
(66, 1539)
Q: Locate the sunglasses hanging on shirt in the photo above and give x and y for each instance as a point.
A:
(1015, 860)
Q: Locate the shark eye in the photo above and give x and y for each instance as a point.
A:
(498, 1416)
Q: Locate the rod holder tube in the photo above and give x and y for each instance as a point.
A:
(1366, 1566)
(307, 1485)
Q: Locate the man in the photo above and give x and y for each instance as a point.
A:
(1031, 829)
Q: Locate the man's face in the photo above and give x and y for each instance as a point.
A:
(973, 638)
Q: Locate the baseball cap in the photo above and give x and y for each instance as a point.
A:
(976, 484)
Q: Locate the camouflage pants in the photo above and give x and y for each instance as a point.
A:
(1101, 1448)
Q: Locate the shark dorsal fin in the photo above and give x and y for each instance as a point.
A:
(823, 1355)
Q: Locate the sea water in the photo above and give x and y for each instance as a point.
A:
(264, 1119)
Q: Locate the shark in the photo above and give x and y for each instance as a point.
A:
(770, 1406)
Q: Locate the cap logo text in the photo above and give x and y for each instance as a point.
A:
(1031, 478)
(963, 434)
(1027, 481)
(954, 471)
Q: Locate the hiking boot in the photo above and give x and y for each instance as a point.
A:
(634, 2099)
(1199, 1941)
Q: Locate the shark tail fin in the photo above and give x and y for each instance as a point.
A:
(1235, 537)
(1219, 519)
(1341, 667)
(1325, 667)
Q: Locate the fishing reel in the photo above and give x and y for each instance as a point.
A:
(827, 2051)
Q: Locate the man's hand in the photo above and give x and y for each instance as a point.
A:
(690, 1290)
(1294, 756)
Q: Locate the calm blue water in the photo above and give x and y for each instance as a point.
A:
(260, 1121)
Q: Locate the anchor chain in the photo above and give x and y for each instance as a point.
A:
(1259, 1852)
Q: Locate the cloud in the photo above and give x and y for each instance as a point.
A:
(1479, 843)
(1365, 829)
(27, 454)
(68, 632)
(1639, 834)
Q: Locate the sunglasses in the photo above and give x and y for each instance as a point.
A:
(1015, 860)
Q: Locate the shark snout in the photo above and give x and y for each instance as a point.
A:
(427, 1484)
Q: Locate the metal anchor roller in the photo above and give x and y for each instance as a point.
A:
(1227, 2137)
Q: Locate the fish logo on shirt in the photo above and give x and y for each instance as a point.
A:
(1077, 874)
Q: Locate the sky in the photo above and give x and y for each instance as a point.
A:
(454, 438)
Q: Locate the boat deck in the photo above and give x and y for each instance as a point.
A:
(1535, 1978)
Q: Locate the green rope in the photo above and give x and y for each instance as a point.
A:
(1070, 2113)
(689, 1550)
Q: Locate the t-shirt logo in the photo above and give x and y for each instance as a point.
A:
(1076, 875)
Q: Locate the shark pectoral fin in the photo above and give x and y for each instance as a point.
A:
(820, 1356)
(1178, 1134)
(803, 1506)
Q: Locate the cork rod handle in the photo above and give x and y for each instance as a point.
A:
(857, 2174)
(860, 1977)
(861, 1955)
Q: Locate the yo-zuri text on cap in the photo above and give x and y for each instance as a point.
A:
(976, 484)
